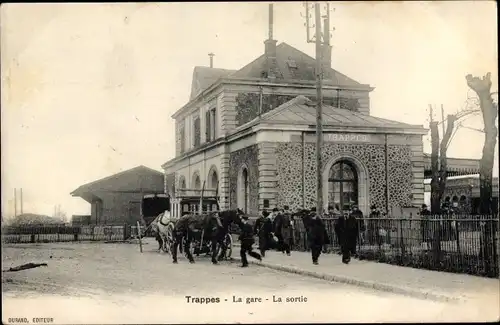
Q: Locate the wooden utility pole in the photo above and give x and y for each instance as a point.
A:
(319, 95)
(319, 113)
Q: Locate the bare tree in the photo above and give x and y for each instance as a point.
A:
(439, 154)
(489, 110)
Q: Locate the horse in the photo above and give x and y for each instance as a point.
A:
(162, 226)
(227, 217)
(213, 226)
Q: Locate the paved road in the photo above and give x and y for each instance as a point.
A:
(114, 283)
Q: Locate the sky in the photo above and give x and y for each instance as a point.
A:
(88, 90)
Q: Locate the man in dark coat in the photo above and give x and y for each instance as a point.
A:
(247, 240)
(316, 234)
(347, 230)
(263, 229)
(424, 223)
(284, 230)
(373, 224)
(358, 215)
(278, 217)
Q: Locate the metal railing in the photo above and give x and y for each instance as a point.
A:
(458, 244)
(57, 233)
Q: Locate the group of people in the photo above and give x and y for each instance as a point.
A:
(275, 230)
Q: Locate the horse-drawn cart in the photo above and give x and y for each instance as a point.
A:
(197, 202)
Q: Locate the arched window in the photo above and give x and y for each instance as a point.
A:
(463, 199)
(343, 185)
(182, 182)
(213, 178)
(243, 189)
(196, 181)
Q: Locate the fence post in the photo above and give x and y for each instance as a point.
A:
(401, 239)
(457, 234)
(436, 240)
(139, 235)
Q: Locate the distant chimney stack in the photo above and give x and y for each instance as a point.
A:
(211, 55)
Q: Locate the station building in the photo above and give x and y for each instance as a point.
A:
(251, 133)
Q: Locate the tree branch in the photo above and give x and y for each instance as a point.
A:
(442, 152)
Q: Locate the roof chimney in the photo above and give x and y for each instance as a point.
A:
(211, 55)
(270, 48)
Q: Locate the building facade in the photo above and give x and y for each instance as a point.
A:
(117, 199)
(462, 192)
(251, 133)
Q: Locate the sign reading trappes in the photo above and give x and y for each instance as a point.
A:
(340, 137)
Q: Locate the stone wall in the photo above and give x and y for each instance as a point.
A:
(170, 180)
(247, 156)
(291, 171)
(247, 104)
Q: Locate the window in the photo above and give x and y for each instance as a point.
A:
(243, 189)
(343, 185)
(182, 135)
(213, 124)
(210, 125)
(197, 182)
(214, 179)
(197, 131)
(182, 182)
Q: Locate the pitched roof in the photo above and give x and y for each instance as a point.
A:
(292, 64)
(104, 182)
(204, 77)
(302, 111)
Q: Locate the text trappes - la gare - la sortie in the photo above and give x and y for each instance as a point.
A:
(246, 300)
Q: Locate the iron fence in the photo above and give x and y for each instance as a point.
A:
(50, 233)
(459, 244)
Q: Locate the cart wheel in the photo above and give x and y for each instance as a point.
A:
(229, 246)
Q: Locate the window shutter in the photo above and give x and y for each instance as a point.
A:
(214, 125)
(208, 126)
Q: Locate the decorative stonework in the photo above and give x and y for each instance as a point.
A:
(247, 104)
(400, 175)
(289, 167)
(247, 156)
(370, 155)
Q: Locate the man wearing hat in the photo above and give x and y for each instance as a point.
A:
(247, 240)
(373, 224)
(424, 224)
(284, 230)
(316, 233)
(263, 229)
(358, 215)
(278, 219)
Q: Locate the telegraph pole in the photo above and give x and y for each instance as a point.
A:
(319, 113)
(319, 96)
